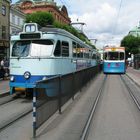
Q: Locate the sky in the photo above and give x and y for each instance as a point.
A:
(108, 21)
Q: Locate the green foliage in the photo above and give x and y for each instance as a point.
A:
(131, 44)
(42, 18)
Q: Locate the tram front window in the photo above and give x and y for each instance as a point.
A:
(114, 56)
(41, 48)
(36, 48)
(21, 48)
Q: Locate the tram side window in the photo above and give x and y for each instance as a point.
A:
(79, 51)
(86, 53)
(57, 51)
(90, 54)
(65, 49)
(121, 56)
(93, 56)
(74, 48)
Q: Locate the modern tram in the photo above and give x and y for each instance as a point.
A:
(114, 60)
(38, 53)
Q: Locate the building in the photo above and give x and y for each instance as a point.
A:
(135, 31)
(59, 12)
(17, 19)
(4, 28)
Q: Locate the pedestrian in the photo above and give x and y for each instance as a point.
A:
(2, 63)
(6, 67)
(2, 72)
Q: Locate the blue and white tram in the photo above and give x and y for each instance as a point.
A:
(40, 52)
(114, 60)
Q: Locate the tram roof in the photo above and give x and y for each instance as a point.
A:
(62, 32)
(57, 31)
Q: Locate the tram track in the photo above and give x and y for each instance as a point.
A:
(85, 131)
(9, 116)
(133, 89)
(6, 99)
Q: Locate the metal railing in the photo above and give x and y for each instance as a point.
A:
(51, 94)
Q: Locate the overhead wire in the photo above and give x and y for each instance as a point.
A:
(117, 18)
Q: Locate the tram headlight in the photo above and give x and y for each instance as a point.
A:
(27, 75)
(12, 78)
(44, 78)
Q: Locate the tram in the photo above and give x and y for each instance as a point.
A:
(38, 53)
(114, 60)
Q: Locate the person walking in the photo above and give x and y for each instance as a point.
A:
(2, 70)
(2, 63)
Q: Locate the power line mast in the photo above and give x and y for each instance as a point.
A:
(79, 23)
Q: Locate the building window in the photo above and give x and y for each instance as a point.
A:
(13, 19)
(3, 32)
(3, 10)
(18, 21)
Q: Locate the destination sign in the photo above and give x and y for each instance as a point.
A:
(30, 36)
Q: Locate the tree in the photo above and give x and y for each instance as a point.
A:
(42, 18)
(131, 44)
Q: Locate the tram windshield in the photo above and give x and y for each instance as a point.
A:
(114, 56)
(21, 48)
(36, 48)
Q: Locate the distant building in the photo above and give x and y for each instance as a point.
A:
(135, 31)
(4, 28)
(17, 18)
(59, 12)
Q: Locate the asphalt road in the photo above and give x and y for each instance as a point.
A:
(117, 117)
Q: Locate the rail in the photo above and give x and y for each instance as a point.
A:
(132, 89)
(87, 126)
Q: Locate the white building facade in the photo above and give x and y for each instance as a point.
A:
(17, 19)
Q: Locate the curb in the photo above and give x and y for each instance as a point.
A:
(133, 80)
(4, 94)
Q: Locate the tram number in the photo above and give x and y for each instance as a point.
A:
(113, 49)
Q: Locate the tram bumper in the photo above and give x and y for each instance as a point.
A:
(20, 86)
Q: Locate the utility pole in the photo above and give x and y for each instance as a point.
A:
(79, 23)
(94, 39)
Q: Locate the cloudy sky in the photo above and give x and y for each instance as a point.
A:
(104, 21)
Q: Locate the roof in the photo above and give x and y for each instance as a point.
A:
(135, 29)
(61, 31)
(35, 1)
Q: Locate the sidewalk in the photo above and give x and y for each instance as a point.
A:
(4, 87)
(133, 74)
